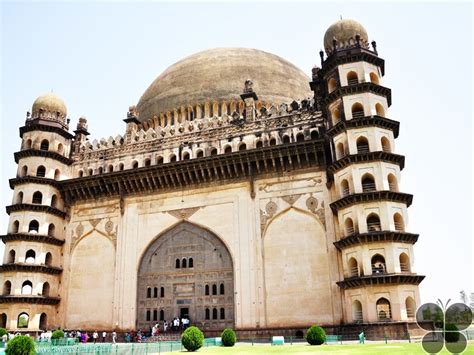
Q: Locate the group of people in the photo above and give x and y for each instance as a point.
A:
(83, 337)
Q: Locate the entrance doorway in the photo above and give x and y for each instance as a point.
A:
(184, 313)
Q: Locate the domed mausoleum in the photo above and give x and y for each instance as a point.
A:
(241, 193)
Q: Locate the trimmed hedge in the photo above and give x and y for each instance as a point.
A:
(452, 333)
(3, 331)
(57, 334)
(21, 345)
(228, 337)
(192, 338)
(315, 335)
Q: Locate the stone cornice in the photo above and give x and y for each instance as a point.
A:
(52, 270)
(30, 299)
(33, 180)
(236, 166)
(34, 126)
(42, 153)
(31, 237)
(367, 157)
(351, 55)
(35, 208)
(374, 237)
(374, 196)
(358, 89)
(380, 279)
(367, 121)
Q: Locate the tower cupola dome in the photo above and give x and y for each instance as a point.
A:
(49, 106)
(345, 33)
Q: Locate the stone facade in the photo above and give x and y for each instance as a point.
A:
(233, 211)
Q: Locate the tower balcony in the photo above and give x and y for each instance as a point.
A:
(22, 267)
(366, 157)
(32, 237)
(46, 300)
(376, 237)
(360, 88)
(371, 196)
(364, 121)
(380, 279)
(35, 208)
(29, 179)
(43, 154)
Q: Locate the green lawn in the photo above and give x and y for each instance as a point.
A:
(405, 349)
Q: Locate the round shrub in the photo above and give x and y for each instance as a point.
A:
(3, 331)
(21, 345)
(57, 334)
(315, 335)
(228, 337)
(192, 338)
(452, 333)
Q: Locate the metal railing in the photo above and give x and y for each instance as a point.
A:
(354, 271)
(358, 114)
(399, 226)
(362, 149)
(350, 230)
(386, 149)
(345, 192)
(404, 267)
(378, 269)
(353, 81)
(369, 187)
(411, 313)
(358, 316)
(392, 186)
(374, 227)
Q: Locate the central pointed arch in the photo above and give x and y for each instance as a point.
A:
(204, 260)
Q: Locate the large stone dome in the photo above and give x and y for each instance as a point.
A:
(219, 74)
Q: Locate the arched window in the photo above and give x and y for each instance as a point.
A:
(41, 171)
(100, 170)
(352, 78)
(24, 171)
(51, 230)
(362, 145)
(214, 313)
(177, 264)
(357, 315)
(184, 263)
(30, 256)
(80, 173)
(162, 292)
(208, 314)
(60, 148)
(353, 267)
(147, 162)
(19, 197)
(392, 183)
(374, 78)
(411, 307)
(345, 188)
(110, 168)
(48, 259)
(27, 144)
(121, 167)
(159, 160)
(332, 83)
(286, 139)
(384, 311)
(54, 201)
(221, 289)
(191, 262)
(300, 137)
(134, 164)
(385, 144)
(186, 156)
(273, 141)
(373, 223)
(200, 154)
(378, 264)
(340, 151)
(368, 183)
(162, 315)
(23, 320)
(214, 289)
(45, 290)
(379, 110)
(11, 257)
(148, 292)
(243, 146)
(26, 288)
(357, 110)
(228, 149)
(37, 198)
(222, 311)
(148, 315)
(33, 227)
(314, 134)
(43, 323)
(7, 288)
(172, 158)
(15, 227)
(213, 151)
(155, 315)
(398, 222)
(259, 144)
(90, 172)
(206, 290)
(349, 226)
(3, 320)
(44, 144)
(155, 292)
(404, 262)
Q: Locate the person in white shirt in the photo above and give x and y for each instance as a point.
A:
(104, 335)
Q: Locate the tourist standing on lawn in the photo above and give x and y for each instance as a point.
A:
(95, 336)
(104, 335)
(114, 336)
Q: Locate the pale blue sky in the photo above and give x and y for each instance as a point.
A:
(100, 58)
